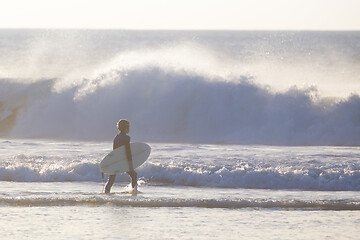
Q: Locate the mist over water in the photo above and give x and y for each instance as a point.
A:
(286, 88)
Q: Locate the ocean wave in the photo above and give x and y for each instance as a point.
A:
(74, 172)
(256, 177)
(179, 89)
(180, 203)
(170, 106)
(252, 177)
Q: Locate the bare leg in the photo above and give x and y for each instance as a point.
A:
(109, 183)
(133, 176)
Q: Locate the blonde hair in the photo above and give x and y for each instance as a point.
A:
(123, 125)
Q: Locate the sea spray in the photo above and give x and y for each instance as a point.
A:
(170, 106)
(283, 88)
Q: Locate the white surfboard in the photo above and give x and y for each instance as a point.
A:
(116, 161)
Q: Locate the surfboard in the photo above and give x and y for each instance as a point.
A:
(116, 162)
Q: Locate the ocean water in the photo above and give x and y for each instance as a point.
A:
(254, 135)
(187, 191)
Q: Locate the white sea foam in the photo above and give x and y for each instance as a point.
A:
(221, 166)
(217, 176)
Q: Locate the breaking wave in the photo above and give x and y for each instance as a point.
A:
(221, 88)
(177, 106)
(240, 176)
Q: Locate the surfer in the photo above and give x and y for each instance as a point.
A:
(122, 139)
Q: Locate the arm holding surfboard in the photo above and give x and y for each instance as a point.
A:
(129, 155)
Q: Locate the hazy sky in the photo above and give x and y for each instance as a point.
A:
(182, 14)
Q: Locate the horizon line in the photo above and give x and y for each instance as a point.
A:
(182, 29)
